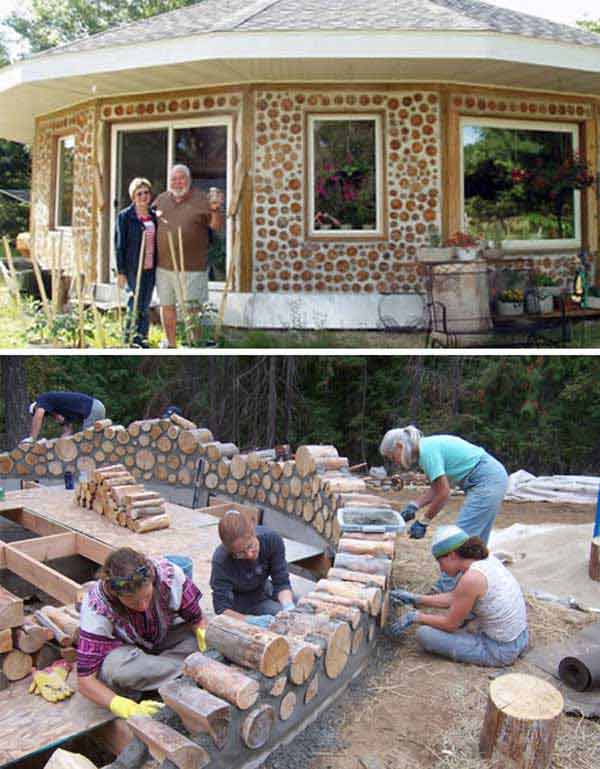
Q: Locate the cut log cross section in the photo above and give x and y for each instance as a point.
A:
(521, 722)
(257, 726)
(249, 646)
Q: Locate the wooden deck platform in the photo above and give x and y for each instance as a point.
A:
(29, 724)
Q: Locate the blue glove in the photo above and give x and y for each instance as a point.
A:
(402, 597)
(409, 512)
(397, 629)
(417, 530)
(288, 606)
(260, 620)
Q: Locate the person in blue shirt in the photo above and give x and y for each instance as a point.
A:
(249, 575)
(64, 407)
(449, 460)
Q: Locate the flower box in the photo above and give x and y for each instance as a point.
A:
(593, 302)
(467, 254)
(440, 254)
(509, 308)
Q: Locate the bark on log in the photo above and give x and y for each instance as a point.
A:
(6, 464)
(125, 494)
(287, 706)
(256, 729)
(331, 463)
(216, 450)
(343, 485)
(302, 660)
(312, 689)
(165, 743)
(200, 711)
(340, 600)
(372, 595)
(153, 523)
(366, 547)
(363, 563)
(357, 639)
(221, 680)
(315, 628)
(6, 641)
(349, 614)
(144, 459)
(594, 565)
(17, 665)
(249, 646)
(307, 456)
(190, 440)
(135, 513)
(370, 580)
(100, 424)
(239, 466)
(521, 722)
(62, 620)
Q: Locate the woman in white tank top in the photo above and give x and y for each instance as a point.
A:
(486, 591)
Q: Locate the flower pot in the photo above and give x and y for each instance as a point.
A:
(429, 254)
(552, 290)
(593, 302)
(510, 308)
(346, 227)
(466, 254)
(493, 253)
(368, 226)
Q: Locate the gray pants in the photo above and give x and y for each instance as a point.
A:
(129, 670)
(96, 412)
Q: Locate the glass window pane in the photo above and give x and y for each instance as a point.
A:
(141, 153)
(516, 183)
(203, 149)
(345, 174)
(66, 157)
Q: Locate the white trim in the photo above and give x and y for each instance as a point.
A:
(535, 125)
(171, 126)
(345, 117)
(60, 145)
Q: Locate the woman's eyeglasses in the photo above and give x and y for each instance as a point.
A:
(131, 583)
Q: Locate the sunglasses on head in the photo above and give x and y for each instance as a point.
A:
(131, 583)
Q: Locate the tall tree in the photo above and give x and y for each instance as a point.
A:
(15, 397)
(48, 23)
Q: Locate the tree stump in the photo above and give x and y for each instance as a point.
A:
(594, 567)
(521, 722)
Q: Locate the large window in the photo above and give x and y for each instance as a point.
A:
(151, 150)
(63, 215)
(516, 184)
(344, 175)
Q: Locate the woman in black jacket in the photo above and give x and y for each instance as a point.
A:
(132, 222)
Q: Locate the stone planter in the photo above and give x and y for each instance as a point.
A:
(593, 302)
(546, 303)
(507, 309)
(492, 253)
(429, 254)
(466, 254)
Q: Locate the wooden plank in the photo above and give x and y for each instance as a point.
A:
(47, 548)
(246, 219)
(58, 586)
(451, 179)
(93, 549)
(32, 522)
(11, 610)
(589, 196)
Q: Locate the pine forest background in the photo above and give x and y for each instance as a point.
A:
(538, 413)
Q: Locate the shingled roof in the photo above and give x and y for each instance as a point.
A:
(217, 16)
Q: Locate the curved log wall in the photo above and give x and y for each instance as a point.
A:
(311, 487)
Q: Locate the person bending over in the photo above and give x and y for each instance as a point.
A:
(65, 408)
(249, 572)
(129, 640)
(487, 592)
(447, 460)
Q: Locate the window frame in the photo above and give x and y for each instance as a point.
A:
(535, 125)
(171, 126)
(60, 143)
(379, 233)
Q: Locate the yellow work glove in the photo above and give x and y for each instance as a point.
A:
(201, 638)
(51, 685)
(124, 707)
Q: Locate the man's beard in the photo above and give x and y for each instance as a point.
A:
(180, 193)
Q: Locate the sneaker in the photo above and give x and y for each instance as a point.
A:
(164, 344)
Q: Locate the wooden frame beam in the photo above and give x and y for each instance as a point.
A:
(47, 548)
(92, 549)
(32, 522)
(58, 586)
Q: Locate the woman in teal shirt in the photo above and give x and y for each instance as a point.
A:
(449, 460)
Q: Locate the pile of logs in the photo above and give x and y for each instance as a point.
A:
(24, 640)
(113, 492)
(255, 685)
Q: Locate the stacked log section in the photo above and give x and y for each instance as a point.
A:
(594, 565)
(167, 744)
(369, 597)
(222, 680)
(257, 726)
(200, 711)
(370, 580)
(349, 614)
(363, 563)
(249, 646)
(332, 636)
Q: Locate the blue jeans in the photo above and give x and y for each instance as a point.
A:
(142, 323)
(485, 487)
(475, 648)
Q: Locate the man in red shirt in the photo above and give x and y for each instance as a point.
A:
(189, 211)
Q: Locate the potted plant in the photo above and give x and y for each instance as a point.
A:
(435, 251)
(550, 285)
(593, 298)
(510, 302)
(467, 246)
